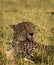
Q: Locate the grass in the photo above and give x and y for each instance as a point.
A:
(36, 11)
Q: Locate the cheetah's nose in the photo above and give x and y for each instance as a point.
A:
(31, 34)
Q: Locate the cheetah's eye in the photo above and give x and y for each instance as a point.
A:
(31, 34)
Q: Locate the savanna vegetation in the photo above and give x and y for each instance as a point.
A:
(39, 12)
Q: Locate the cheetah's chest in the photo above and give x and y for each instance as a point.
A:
(25, 48)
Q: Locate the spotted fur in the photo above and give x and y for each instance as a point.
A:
(23, 40)
(28, 48)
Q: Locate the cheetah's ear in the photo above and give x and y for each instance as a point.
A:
(12, 26)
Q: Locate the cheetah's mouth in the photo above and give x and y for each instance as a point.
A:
(31, 39)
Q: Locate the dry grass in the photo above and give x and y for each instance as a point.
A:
(36, 11)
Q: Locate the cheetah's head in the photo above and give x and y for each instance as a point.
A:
(24, 31)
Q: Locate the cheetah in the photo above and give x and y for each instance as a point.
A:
(24, 43)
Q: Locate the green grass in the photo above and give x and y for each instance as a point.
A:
(36, 11)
